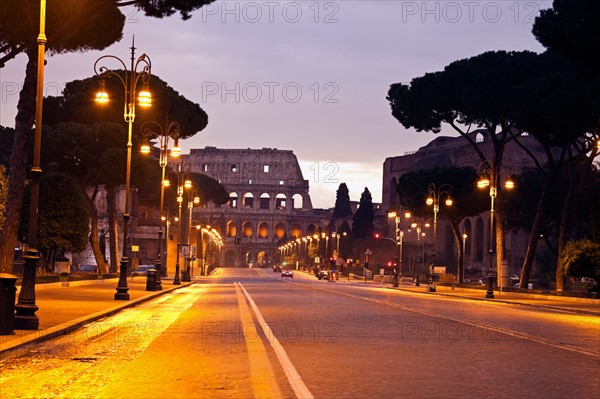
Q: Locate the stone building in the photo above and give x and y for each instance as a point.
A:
(457, 151)
(269, 201)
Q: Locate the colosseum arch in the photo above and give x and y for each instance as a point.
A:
(247, 230)
(231, 229)
(248, 200)
(263, 230)
(279, 230)
(297, 201)
(265, 200)
(311, 229)
(280, 201)
(233, 198)
(296, 230)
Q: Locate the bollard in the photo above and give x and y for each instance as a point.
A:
(8, 293)
(151, 280)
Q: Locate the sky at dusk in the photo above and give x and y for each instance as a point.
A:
(307, 76)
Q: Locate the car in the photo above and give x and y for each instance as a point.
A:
(142, 270)
(287, 273)
(88, 269)
(323, 274)
(589, 281)
(276, 268)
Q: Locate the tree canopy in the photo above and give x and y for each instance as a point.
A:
(76, 104)
(362, 221)
(80, 25)
(342, 207)
(70, 26)
(571, 28)
(63, 216)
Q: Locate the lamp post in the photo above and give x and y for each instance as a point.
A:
(489, 178)
(153, 130)
(435, 194)
(420, 233)
(464, 243)
(25, 317)
(192, 200)
(130, 82)
(325, 235)
(182, 183)
(399, 238)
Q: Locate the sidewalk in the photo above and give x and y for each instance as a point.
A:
(63, 309)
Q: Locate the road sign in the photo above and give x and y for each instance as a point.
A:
(185, 250)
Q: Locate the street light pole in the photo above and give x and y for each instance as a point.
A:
(25, 317)
(191, 201)
(435, 193)
(488, 172)
(130, 82)
(152, 129)
(181, 184)
(489, 177)
(464, 242)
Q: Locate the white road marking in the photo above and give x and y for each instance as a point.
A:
(293, 377)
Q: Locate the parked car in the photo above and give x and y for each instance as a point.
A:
(323, 274)
(589, 281)
(142, 270)
(287, 273)
(87, 269)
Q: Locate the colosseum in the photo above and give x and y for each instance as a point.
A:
(269, 201)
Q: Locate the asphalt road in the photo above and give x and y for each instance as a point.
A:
(249, 333)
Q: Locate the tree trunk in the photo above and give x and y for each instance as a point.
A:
(534, 235)
(111, 209)
(461, 255)
(565, 218)
(18, 163)
(94, 241)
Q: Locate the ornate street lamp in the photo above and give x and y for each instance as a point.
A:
(489, 178)
(182, 183)
(153, 130)
(399, 238)
(129, 80)
(435, 194)
(25, 317)
(418, 227)
(192, 200)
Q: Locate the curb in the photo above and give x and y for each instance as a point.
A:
(12, 350)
